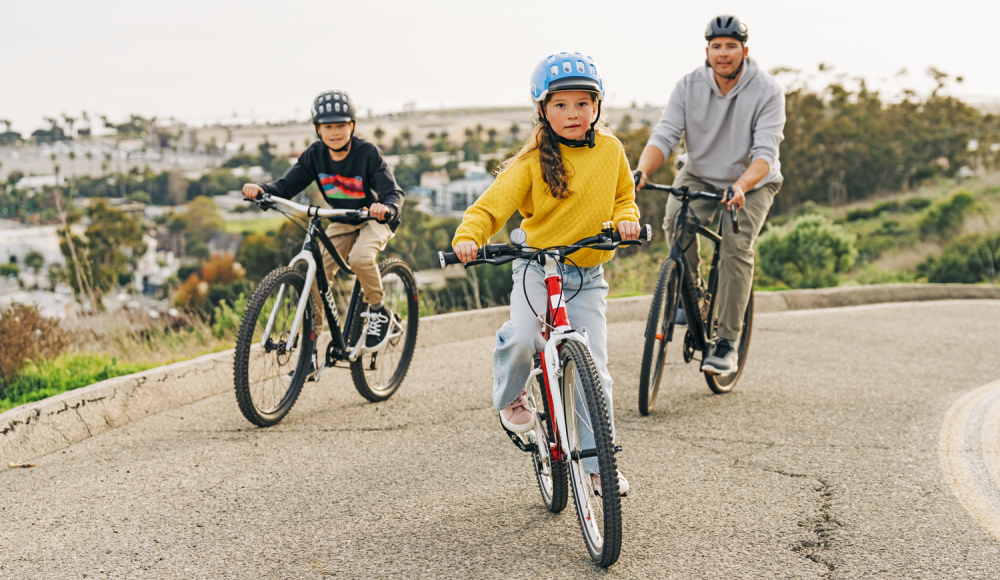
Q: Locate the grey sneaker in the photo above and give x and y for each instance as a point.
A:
(680, 319)
(724, 359)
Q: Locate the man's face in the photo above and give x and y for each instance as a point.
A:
(725, 55)
(335, 135)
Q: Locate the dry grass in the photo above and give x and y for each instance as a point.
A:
(26, 335)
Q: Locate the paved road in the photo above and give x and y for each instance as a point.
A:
(824, 463)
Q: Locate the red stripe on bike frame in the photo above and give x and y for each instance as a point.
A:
(555, 448)
(554, 286)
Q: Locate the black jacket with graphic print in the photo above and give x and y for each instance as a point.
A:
(358, 181)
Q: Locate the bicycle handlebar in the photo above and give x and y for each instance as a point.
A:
(266, 201)
(683, 192)
(497, 254)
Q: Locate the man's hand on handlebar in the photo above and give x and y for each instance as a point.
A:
(252, 190)
(629, 230)
(640, 179)
(739, 198)
(466, 251)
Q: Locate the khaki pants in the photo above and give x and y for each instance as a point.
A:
(360, 244)
(736, 257)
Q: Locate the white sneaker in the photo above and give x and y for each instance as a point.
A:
(623, 486)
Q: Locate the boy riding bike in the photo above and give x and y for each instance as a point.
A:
(351, 174)
(569, 178)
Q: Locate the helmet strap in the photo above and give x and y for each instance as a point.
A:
(589, 140)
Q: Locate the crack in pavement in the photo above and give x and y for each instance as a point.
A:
(825, 525)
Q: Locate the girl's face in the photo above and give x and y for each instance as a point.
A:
(335, 134)
(570, 113)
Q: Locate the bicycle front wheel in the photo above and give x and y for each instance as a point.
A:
(654, 353)
(598, 507)
(724, 383)
(378, 374)
(267, 375)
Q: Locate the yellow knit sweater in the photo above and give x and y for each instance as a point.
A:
(602, 190)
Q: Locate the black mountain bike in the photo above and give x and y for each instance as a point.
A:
(679, 283)
(277, 343)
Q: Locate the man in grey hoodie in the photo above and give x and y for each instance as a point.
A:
(732, 115)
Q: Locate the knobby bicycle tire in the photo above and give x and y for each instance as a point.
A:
(371, 377)
(253, 383)
(604, 544)
(654, 353)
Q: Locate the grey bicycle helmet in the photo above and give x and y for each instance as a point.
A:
(334, 107)
(728, 26)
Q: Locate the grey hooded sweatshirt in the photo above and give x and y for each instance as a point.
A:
(724, 134)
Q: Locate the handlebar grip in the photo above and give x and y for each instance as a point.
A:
(732, 212)
(448, 258)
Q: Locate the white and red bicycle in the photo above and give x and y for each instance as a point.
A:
(564, 390)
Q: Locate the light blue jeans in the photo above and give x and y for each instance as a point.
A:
(520, 338)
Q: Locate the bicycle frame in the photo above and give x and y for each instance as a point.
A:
(556, 331)
(339, 349)
(686, 228)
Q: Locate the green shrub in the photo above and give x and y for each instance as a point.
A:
(944, 220)
(227, 320)
(810, 252)
(966, 260)
(9, 270)
(46, 378)
(915, 204)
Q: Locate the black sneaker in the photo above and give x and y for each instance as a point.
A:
(377, 329)
(724, 359)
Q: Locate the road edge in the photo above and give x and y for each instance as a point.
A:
(55, 423)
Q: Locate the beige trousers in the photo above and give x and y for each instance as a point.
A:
(737, 257)
(360, 244)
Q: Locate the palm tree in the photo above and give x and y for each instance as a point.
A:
(70, 121)
(379, 133)
(514, 130)
(34, 260)
(90, 161)
(407, 137)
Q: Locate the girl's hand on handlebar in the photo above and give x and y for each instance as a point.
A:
(629, 230)
(466, 251)
(252, 190)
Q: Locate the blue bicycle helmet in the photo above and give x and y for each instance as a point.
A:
(566, 71)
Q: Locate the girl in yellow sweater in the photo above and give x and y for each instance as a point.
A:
(569, 178)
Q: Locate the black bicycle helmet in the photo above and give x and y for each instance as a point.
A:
(728, 26)
(334, 107)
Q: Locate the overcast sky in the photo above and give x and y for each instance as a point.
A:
(202, 61)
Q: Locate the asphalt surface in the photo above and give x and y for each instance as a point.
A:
(823, 463)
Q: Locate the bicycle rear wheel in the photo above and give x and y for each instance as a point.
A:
(378, 374)
(724, 383)
(589, 437)
(551, 475)
(654, 353)
(268, 377)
